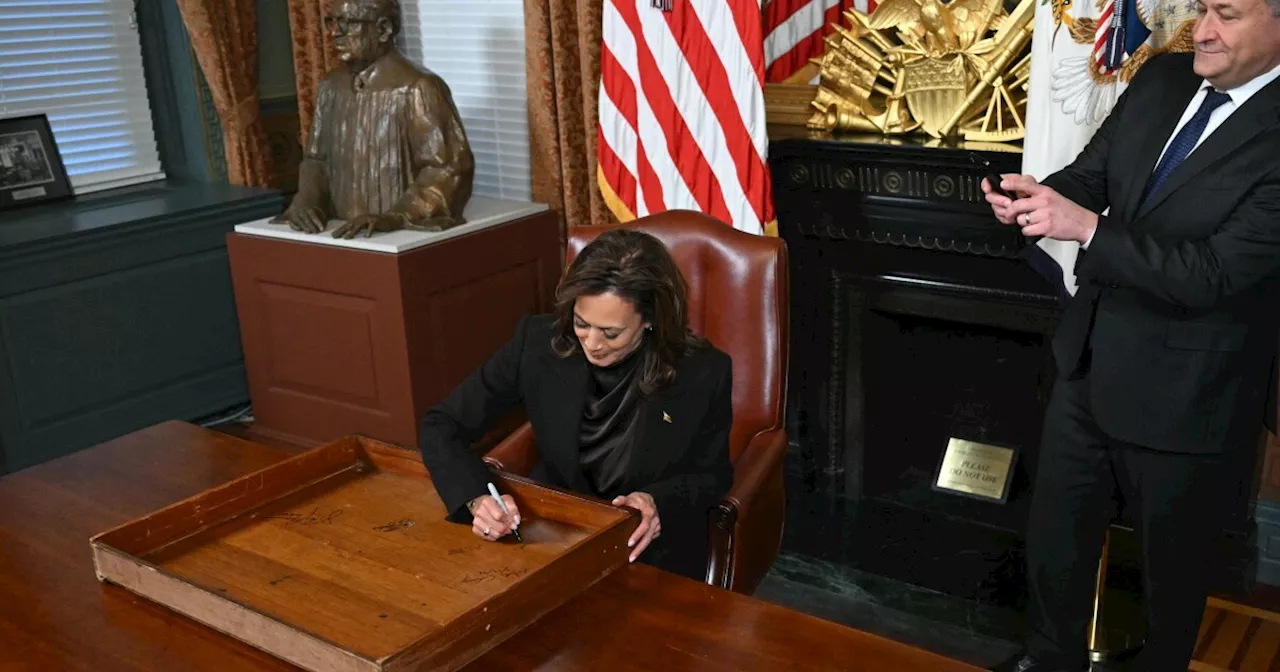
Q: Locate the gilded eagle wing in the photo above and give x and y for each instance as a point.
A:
(973, 18)
(901, 14)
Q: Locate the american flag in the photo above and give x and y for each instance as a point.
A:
(1120, 33)
(682, 122)
(795, 30)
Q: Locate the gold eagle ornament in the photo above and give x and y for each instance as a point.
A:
(950, 69)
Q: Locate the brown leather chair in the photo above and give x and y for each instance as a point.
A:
(738, 299)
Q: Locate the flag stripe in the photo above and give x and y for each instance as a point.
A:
(618, 86)
(743, 74)
(746, 18)
(795, 30)
(650, 138)
(618, 143)
(682, 110)
(683, 149)
(745, 68)
(800, 26)
(708, 64)
(650, 185)
(617, 155)
(777, 12)
(713, 179)
(611, 176)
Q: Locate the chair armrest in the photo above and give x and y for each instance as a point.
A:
(761, 461)
(516, 454)
(746, 527)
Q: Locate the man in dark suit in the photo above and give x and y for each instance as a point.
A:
(1165, 352)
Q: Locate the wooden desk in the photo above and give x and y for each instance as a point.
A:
(55, 615)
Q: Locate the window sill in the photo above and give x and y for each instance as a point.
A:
(156, 203)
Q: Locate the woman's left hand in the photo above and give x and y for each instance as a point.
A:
(650, 526)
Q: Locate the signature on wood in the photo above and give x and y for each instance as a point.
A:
(460, 551)
(402, 524)
(503, 572)
(295, 518)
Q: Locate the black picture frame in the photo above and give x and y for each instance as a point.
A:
(31, 169)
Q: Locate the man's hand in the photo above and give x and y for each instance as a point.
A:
(1041, 211)
(305, 218)
(368, 224)
(487, 519)
(650, 526)
(1000, 204)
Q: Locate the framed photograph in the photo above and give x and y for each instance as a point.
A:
(31, 169)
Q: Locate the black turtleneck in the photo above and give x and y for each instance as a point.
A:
(605, 436)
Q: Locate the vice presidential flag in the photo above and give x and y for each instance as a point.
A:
(1083, 54)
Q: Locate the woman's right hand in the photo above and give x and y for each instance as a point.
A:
(488, 520)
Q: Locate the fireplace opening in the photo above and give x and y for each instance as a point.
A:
(915, 320)
(917, 361)
(926, 381)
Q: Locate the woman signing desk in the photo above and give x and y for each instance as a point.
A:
(625, 401)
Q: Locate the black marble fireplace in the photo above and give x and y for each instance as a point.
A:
(915, 322)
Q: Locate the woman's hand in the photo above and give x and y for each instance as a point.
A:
(488, 521)
(650, 525)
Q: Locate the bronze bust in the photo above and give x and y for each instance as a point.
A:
(387, 149)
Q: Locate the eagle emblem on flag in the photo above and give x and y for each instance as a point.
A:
(1124, 35)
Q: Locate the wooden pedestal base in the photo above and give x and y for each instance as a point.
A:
(342, 341)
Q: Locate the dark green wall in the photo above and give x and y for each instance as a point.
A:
(116, 309)
(116, 313)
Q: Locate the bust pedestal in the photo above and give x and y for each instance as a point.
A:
(363, 336)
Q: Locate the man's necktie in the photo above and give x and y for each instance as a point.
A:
(1185, 140)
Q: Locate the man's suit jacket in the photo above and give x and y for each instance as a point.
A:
(680, 450)
(1176, 313)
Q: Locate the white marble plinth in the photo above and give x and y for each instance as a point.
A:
(480, 213)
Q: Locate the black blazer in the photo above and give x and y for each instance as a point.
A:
(1176, 314)
(680, 454)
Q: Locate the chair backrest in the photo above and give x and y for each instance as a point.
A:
(738, 300)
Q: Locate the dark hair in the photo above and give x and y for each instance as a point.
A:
(636, 267)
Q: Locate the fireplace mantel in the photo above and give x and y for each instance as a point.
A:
(901, 216)
(911, 304)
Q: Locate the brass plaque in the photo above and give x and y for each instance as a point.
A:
(978, 470)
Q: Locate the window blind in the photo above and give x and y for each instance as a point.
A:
(80, 63)
(477, 46)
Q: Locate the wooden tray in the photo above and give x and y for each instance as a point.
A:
(340, 559)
